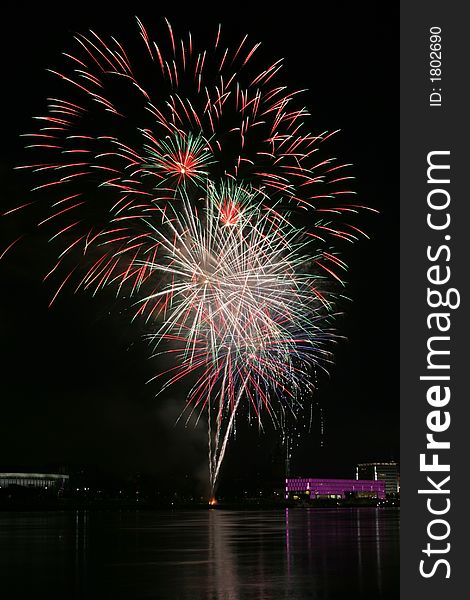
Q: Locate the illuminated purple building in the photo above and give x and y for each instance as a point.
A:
(335, 488)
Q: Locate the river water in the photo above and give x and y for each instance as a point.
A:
(288, 554)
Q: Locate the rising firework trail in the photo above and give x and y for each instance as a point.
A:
(189, 180)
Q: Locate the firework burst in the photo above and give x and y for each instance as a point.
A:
(239, 304)
(178, 178)
(137, 128)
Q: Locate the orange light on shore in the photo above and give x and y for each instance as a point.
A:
(212, 502)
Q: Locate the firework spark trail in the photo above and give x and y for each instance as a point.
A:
(180, 178)
(221, 454)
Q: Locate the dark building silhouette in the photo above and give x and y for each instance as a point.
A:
(385, 471)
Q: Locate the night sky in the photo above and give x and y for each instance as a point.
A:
(73, 386)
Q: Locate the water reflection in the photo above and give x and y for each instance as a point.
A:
(343, 550)
(222, 579)
(80, 559)
(294, 554)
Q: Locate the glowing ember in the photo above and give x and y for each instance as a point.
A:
(229, 213)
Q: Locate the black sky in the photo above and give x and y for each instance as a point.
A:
(73, 377)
